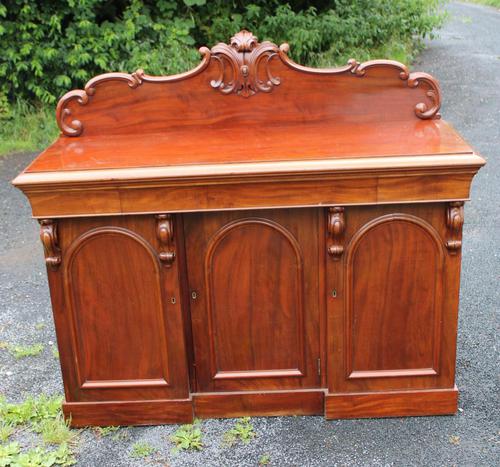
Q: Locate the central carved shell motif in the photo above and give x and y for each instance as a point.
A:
(244, 65)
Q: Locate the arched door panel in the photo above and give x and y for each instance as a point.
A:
(254, 299)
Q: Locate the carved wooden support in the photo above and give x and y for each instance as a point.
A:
(336, 229)
(165, 234)
(454, 222)
(48, 236)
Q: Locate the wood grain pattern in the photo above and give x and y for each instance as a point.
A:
(286, 142)
(258, 404)
(392, 323)
(394, 288)
(251, 235)
(125, 413)
(257, 192)
(248, 68)
(253, 307)
(118, 319)
(392, 404)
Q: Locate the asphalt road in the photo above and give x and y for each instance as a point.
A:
(466, 60)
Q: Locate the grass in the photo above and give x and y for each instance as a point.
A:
(27, 128)
(103, 431)
(23, 351)
(56, 431)
(31, 411)
(494, 3)
(43, 416)
(6, 430)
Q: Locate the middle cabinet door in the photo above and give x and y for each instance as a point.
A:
(254, 279)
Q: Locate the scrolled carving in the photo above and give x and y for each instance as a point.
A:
(48, 236)
(242, 65)
(74, 127)
(165, 234)
(454, 222)
(336, 229)
(413, 80)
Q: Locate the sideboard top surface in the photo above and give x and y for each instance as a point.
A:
(252, 144)
(245, 120)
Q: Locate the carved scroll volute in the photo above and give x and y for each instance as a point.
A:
(165, 234)
(454, 222)
(48, 236)
(336, 229)
(244, 65)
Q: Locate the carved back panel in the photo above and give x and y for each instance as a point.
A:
(248, 83)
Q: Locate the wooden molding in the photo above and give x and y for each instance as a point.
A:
(165, 234)
(336, 228)
(48, 236)
(222, 235)
(391, 403)
(258, 403)
(244, 69)
(454, 222)
(142, 412)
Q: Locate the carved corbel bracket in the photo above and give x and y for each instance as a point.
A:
(336, 229)
(48, 236)
(454, 222)
(165, 234)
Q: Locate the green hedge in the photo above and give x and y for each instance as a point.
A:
(49, 47)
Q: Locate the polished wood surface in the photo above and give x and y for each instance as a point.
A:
(119, 314)
(144, 412)
(392, 404)
(247, 83)
(253, 280)
(393, 319)
(254, 237)
(258, 404)
(279, 142)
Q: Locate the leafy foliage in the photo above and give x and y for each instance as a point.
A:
(32, 410)
(242, 431)
(42, 415)
(265, 459)
(11, 455)
(188, 437)
(51, 47)
(141, 450)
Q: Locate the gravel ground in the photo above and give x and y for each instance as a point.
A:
(466, 60)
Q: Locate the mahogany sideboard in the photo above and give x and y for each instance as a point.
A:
(254, 237)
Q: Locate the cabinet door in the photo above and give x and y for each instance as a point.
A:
(392, 318)
(254, 286)
(117, 310)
